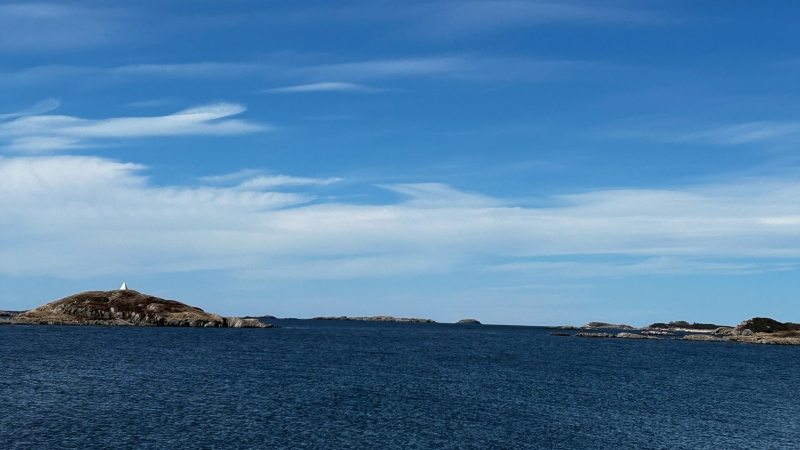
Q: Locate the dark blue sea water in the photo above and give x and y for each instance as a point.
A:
(319, 384)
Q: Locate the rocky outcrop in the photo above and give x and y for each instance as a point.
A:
(634, 336)
(699, 337)
(244, 322)
(765, 325)
(593, 325)
(682, 325)
(5, 316)
(469, 321)
(758, 330)
(756, 338)
(376, 319)
(657, 333)
(265, 316)
(622, 335)
(594, 335)
(126, 308)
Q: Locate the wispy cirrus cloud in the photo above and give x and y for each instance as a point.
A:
(71, 216)
(52, 132)
(755, 132)
(234, 177)
(41, 107)
(151, 103)
(388, 68)
(64, 27)
(452, 19)
(663, 265)
(307, 76)
(744, 133)
(448, 19)
(60, 73)
(441, 195)
(256, 180)
(329, 86)
(479, 68)
(192, 70)
(276, 181)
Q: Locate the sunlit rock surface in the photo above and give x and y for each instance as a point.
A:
(125, 308)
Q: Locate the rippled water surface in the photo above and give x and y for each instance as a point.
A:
(315, 384)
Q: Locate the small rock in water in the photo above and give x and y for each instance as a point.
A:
(634, 336)
(595, 335)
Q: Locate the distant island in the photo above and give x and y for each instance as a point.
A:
(376, 319)
(758, 330)
(592, 325)
(393, 319)
(126, 307)
(682, 325)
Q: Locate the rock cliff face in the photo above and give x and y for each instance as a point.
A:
(127, 307)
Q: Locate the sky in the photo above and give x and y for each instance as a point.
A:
(517, 162)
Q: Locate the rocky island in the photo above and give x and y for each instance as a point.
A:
(127, 307)
(376, 319)
(469, 322)
(596, 325)
(682, 325)
(758, 330)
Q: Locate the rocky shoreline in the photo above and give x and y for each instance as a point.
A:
(758, 330)
(126, 308)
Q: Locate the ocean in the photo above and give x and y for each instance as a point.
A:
(333, 385)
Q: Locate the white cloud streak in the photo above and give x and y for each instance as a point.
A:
(41, 107)
(757, 132)
(74, 217)
(51, 132)
(330, 86)
(315, 77)
(276, 181)
(473, 68)
(744, 133)
(387, 68)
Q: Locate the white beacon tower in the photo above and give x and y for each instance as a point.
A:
(124, 287)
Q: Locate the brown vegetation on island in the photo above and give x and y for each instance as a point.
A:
(126, 307)
(682, 325)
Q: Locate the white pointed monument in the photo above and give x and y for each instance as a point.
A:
(124, 287)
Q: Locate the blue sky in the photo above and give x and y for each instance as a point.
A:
(519, 162)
